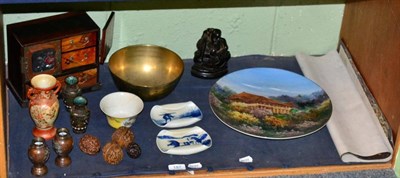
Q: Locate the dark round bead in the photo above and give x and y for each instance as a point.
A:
(133, 150)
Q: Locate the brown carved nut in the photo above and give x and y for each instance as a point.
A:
(112, 153)
(123, 136)
(133, 150)
(89, 144)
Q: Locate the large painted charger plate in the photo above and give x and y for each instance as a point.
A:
(270, 103)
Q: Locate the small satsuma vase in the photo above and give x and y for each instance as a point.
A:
(44, 104)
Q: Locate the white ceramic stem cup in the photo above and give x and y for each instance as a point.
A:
(121, 108)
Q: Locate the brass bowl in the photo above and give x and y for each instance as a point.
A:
(149, 71)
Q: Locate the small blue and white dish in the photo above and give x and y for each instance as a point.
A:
(176, 115)
(184, 141)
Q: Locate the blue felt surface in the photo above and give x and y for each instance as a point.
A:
(228, 145)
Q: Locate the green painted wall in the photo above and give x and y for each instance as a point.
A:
(397, 165)
(271, 30)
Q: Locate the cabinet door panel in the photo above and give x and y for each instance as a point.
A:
(78, 58)
(43, 58)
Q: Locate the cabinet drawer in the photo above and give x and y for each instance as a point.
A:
(78, 58)
(86, 79)
(78, 42)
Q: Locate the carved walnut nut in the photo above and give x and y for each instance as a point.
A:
(112, 153)
(89, 144)
(123, 136)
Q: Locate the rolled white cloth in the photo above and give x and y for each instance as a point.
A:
(353, 126)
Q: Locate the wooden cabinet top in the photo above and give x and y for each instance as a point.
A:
(52, 27)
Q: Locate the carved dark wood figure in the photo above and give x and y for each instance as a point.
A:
(212, 55)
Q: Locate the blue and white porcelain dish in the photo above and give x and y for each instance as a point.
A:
(184, 141)
(176, 115)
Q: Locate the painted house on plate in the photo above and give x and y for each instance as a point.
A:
(250, 103)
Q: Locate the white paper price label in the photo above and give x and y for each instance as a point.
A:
(247, 159)
(195, 165)
(176, 167)
(191, 172)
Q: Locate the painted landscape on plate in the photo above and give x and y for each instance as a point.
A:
(282, 107)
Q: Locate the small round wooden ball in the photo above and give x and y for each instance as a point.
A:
(123, 136)
(89, 144)
(112, 153)
(133, 150)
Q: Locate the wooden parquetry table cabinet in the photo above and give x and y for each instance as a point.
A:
(376, 54)
(60, 45)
